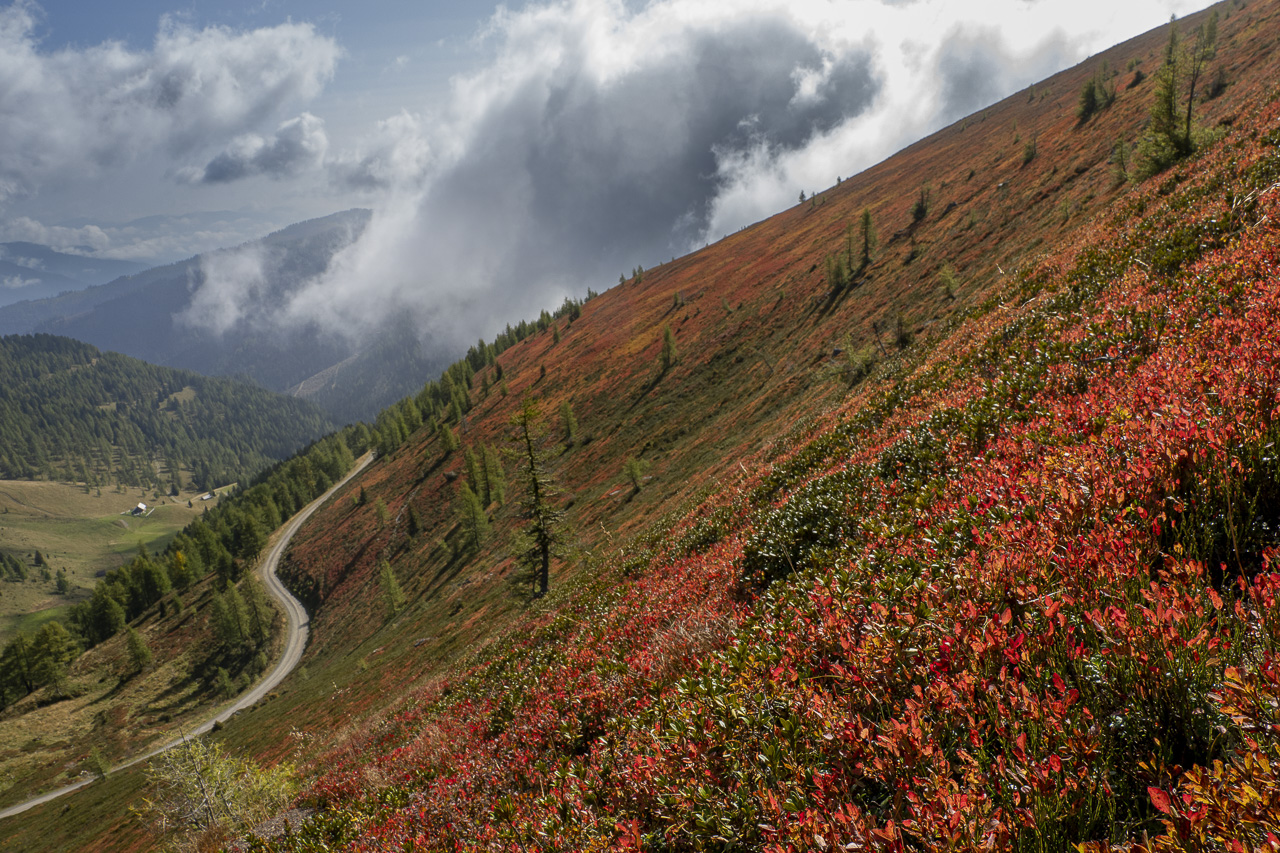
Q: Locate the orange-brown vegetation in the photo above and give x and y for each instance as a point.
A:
(1009, 584)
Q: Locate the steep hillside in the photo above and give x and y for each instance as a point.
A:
(833, 542)
(1021, 597)
(764, 342)
(897, 550)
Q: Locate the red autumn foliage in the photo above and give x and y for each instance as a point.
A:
(1018, 594)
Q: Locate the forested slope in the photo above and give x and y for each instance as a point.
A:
(71, 412)
(158, 642)
(157, 316)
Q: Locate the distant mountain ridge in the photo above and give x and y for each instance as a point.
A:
(32, 271)
(141, 315)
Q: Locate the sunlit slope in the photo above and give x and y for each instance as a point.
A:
(1015, 590)
(763, 341)
(814, 519)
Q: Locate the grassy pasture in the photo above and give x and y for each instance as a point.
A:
(83, 532)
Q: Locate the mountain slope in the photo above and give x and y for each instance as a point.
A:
(905, 550)
(898, 623)
(143, 316)
(69, 411)
(763, 339)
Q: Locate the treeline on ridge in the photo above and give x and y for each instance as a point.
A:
(449, 398)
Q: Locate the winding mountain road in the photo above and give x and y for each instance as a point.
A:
(295, 642)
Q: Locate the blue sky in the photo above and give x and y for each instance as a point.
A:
(512, 155)
(432, 39)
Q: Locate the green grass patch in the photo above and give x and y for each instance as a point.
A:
(81, 532)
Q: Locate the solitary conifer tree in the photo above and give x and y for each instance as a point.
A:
(475, 475)
(391, 592)
(1163, 122)
(474, 518)
(868, 240)
(494, 477)
(139, 654)
(1169, 128)
(669, 354)
(569, 422)
(1201, 51)
(543, 534)
(634, 470)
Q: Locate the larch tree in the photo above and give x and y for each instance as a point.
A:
(494, 477)
(53, 649)
(1169, 135)
(392, 595)
(569, 423)
(448, 438)
(258, 608)
(474, 518)
(1202, 49)
(867, 238)
(669, 353)
(542, 537)
(140, 656)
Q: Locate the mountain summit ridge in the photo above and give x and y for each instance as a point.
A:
(159, 315)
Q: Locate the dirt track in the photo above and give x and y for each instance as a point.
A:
(295, 642)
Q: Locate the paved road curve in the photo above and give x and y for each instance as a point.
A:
(295, 642)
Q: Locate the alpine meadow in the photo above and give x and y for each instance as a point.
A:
(938, 511)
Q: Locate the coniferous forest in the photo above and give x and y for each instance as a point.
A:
(71, 412)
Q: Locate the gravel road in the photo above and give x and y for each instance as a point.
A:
(295, 642)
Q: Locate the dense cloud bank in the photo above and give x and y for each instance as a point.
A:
(605, 135)
(598, 135)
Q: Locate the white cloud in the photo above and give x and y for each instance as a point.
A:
(298, 145)
(6, 254)
(70, 240)
(396, 156)
(71, 113)
(225, 285)
(593, 141)
(607, 133)
(153, 240)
